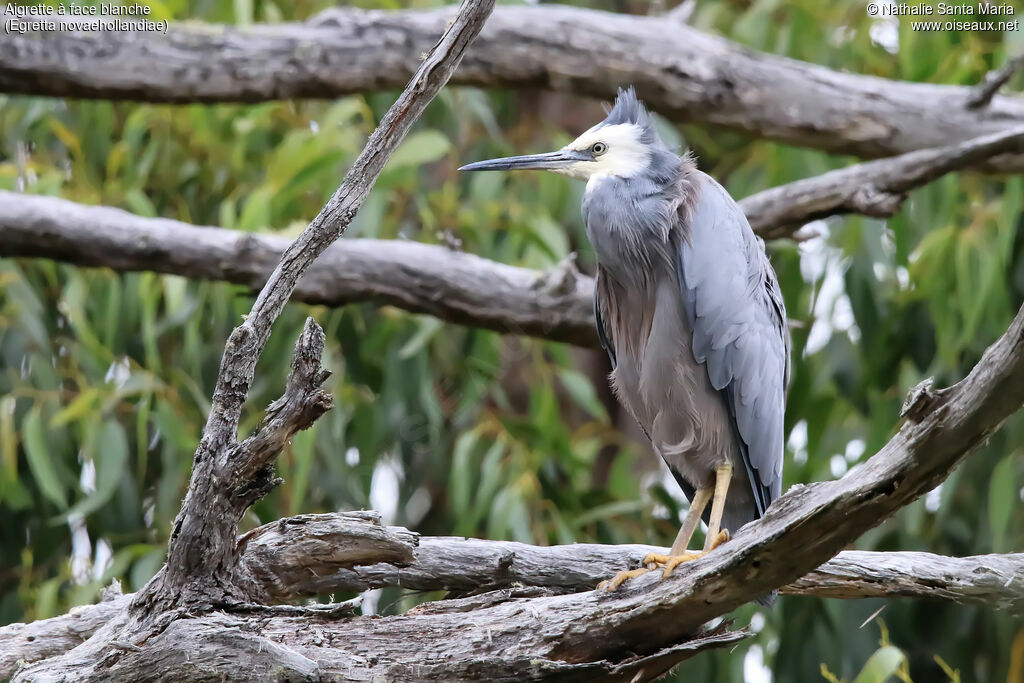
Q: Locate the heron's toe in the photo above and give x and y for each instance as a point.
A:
(654, 559)
(676, 560)
(620, 578)
(718, 540)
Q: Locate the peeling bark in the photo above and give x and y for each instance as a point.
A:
(319, 554)
(681, 72)
(421, 278)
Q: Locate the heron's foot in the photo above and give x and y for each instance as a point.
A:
(620, 578)
(670, 562)
(718, 540)
(667, 563)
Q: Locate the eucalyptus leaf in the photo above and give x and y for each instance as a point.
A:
(41, 457)
(882, 665)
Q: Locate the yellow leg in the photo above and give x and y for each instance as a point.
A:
(723, 475)
(678, 554)
(716, 535)
(697, 505)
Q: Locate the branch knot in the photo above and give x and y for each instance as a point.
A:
(920, 401)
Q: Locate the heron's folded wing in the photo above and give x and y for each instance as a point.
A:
(602, 329)
(734, 306)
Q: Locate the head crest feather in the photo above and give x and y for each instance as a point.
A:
(628, 109)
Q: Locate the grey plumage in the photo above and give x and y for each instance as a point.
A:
(690, 312)
(687, 306)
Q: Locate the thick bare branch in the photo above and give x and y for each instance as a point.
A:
(682, 72)
(45, 638)
(351, 551)
(228, 477)
(220, 646)
(873, 188)
(319, 554)
(287, 558)
(996, 581)
(422, 278)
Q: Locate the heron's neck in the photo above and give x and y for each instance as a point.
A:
(634, 224)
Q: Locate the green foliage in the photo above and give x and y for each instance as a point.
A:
(888, 663)
(105, 378)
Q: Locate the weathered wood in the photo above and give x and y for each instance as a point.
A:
(422, 278)
(351, 551)
(995, 581)
(228, 477)
(287, 557)
(26, 643)
(320, 554)
(873, 188)
(451, 285)
(681, 72)
(219, 647)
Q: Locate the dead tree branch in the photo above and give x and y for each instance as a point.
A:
(873, 188)
(421, 278)
(352, 551)
(202, 573)
(228, 477)
(319, 554)
(996, 581)
(450, 285)
(684, 73)
(26, 643)
(994, 80)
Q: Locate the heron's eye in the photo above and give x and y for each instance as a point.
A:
(598, 148)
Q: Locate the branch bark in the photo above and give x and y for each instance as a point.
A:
(228, 477)
(682, 72)
(421, 278)
(450, 285)
(873, 188)
(993, 81)
(318, 554)
(352, 551)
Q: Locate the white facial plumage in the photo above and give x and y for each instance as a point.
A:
(624, 153)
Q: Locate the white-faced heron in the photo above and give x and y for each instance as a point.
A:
(689, 309)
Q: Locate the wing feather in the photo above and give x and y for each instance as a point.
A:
(731, 296)
(602, 329)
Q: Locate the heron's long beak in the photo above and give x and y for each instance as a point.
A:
(549, 161)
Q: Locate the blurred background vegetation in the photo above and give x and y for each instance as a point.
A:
(105, 378)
